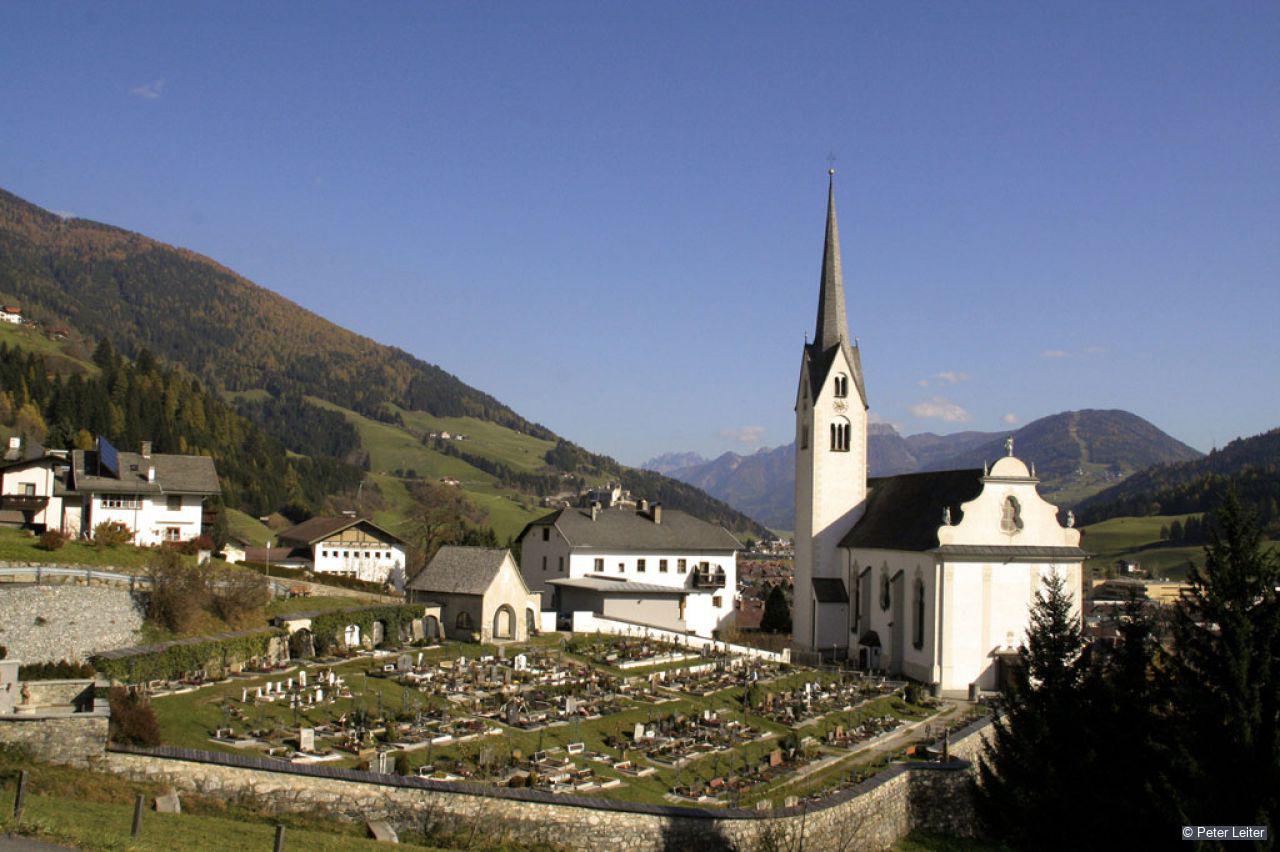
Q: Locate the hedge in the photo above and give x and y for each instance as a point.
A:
(327, 627)
(172, 660)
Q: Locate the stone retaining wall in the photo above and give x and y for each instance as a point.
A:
(76, 739)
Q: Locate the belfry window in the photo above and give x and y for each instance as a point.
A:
(841, 432)
(842, 386)
(804, 436)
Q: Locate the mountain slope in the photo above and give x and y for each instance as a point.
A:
(1251, 465)
(268, 354)
(1076, 453)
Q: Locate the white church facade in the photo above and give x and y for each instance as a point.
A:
(926, 575)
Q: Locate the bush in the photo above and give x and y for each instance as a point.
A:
(179, 591)
(238, 596)
(112, 534)
(132, 719)
(402, 763)
(61, 670)
(52, 540)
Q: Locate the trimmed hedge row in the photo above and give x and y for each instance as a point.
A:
(172, 660)
(328, 627)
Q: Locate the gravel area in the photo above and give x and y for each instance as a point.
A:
(39, 623)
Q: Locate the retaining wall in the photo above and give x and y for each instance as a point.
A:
(76, 739)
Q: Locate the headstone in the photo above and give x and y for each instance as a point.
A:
(419, 658)
(790, 801)
(244, 695)
(502, 652)
(576, 748)
(290, 684)
(383, 760)
(571, 705)
(775, 757)
(169, 803)
(257, 692)
(381, 830)
(521, 662)
(506, 677)
(307, 739)
(638, 733)
(404, 664)
(302, 678)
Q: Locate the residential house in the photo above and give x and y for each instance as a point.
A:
(31, 480)
(646, 565)
(349, 547)
(11, 314)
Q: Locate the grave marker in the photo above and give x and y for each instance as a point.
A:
(307, 739)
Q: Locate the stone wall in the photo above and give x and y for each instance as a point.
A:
(77, 739)
(54, 622)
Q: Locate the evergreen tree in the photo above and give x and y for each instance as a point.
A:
(777, 612)
(1225, 677)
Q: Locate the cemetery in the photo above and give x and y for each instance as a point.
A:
(557, 714)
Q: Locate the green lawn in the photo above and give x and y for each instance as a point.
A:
(485, 439)
(32, 340)
(247, 528)
(1137, 539)
(21, 546)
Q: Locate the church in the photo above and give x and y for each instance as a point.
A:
(929, 576)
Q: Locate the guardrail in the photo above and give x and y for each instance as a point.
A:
(133, 581)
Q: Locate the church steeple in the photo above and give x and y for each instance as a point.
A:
(833, 326)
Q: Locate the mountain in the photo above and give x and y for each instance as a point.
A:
(669, 463)
(1250, 465)
(281, 364)
(1076, 453)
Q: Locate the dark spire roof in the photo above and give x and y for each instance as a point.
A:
(832, 332)
(833, 326)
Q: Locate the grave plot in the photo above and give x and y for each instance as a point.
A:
(721, 674)
(679, 738)
(735, 780)
(625, 653)
(806, 702)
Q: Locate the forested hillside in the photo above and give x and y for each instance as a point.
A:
(1250, 465)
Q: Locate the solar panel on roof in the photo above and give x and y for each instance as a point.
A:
(108, 457)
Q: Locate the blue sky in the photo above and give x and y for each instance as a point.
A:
(609, 215)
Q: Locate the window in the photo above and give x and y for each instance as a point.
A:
(842, 385)
(546, 533)
(346, 554)
(886, 592)
(561, 568)
(29, 489)
(717, 601)
(681, 566)
(121, 501)
(172, 534)
(622, 567)
(840, 434)
(463, 621)
(918, 638)
(599, 564)
(544, 563)
(857, 599)
(804, 436)
(640, 565)
(662, 566)
(173, 503)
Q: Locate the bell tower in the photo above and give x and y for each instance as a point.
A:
(831, 458)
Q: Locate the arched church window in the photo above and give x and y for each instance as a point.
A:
(886, 592)
(917, 638)
(841, 431)
(1011, 515)
(804, 436)
(842, 386)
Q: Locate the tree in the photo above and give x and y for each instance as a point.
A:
(441, 515)
(1029, 778)
(1225, 676)
(777, 612)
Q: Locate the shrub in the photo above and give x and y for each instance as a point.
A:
(52, 540)
(61, 670)
(132, 718)
(238, 596)
(112, 534)
(179, 591)
(402, 763)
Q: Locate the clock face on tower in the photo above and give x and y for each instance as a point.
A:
(841, 405)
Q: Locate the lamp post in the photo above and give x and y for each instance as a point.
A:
(269, 538)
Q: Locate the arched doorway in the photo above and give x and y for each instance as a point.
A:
(504, 623)
(378, 633)
(351, 636)
(530, 622)
(431, 627)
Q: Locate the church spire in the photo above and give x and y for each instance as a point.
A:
(833, 327)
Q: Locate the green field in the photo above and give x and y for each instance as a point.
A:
(65, 353)
(22, 546)
(1137, 539)
(247, 528)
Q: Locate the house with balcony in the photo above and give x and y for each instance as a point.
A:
(344, 545)
(644, 565)
(31, 480)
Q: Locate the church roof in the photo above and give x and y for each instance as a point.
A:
(460, 570)
(904, 512)
(832, 332)
(829, 590)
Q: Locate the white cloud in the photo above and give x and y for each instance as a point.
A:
(939, 408)
(749, 435)
(149, 91)
(1055, 353)
(1009, 418)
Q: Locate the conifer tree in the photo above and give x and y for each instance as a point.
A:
(777, 613)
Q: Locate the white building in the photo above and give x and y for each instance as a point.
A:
(479, 594)
(159, 497)
(11, 314)
(928, 575)
(350, 547)
(31, 486)
(647, 565)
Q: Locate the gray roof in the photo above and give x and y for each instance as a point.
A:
(904, 512)
(1012, 553)
(460, 570)
(832, 333)
(620, 587)
(174, 474)
(627, 529)
(829, 590)
(29, 451)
